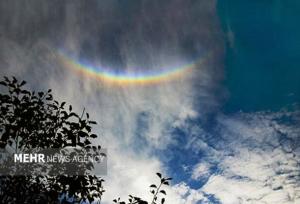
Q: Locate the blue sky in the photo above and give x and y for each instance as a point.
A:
(262, 90)
(227, 132)
(257, 77)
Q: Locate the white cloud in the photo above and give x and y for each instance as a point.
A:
(262, 167)
(129, 173)
(186, 195)
(120, 110)
(200, 170)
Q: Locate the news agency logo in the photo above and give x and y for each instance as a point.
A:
(42, 158)
(29, 158)
(68, 161)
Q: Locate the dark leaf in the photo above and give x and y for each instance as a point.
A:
(93, 136)
(87, 142)
(14, 80)
(22, 83)
(62, 104)
(49, 97)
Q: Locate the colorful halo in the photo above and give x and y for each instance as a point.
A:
(127, 78)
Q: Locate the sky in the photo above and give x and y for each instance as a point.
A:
(225, 126)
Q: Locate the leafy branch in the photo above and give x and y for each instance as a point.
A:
(157, 190)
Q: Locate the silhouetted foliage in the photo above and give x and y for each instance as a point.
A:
(34, 120)
(157, 190)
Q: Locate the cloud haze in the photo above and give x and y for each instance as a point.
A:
(134, 120)
(257, 159)
(224, 158)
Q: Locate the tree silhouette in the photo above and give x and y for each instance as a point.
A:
(157, 190)
(34, 120)
(30, 120)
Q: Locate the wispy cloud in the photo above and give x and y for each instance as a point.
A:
(200, 170)
(247, 157)
(134, 121)
(259, 159)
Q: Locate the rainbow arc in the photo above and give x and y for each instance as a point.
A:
(127, 78)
